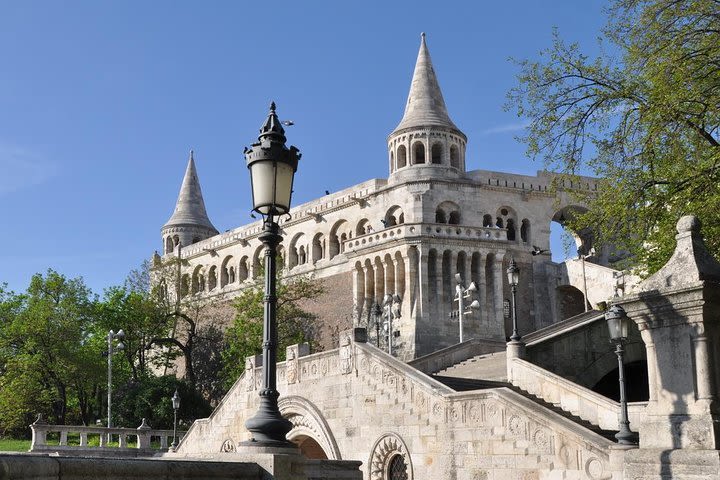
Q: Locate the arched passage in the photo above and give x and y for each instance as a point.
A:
(309, 427)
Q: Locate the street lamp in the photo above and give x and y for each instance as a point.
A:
(176, 407)
(462, 293)
(272, 168)
(618, 321)
(110, 351)
(513, 275)
(377, 313)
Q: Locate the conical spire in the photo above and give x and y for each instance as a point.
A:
(425, 104)
(190, 206)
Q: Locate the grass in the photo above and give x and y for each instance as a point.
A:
(14, 445)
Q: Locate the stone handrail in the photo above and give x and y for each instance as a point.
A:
(142, 436)
(449, 356)
(571, 397)
(563, 327)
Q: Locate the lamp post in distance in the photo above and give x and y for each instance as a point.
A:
(112, 349)
(513, 275)
(618, 322)
(461, 294)
(176, 406)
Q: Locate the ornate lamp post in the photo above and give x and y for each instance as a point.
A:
(272, 168)
(110, 351)
(462, 294)
(617, 321)
(513, 275)
(176, 406)
(377, 313)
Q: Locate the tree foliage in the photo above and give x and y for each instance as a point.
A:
(294, 323)
(643, 117)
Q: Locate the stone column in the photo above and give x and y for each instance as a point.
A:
(498, 328)
(484, 312)
(369, 290)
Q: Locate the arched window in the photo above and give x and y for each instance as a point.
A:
(401, 219)
(439, 216)
(401, 156)
(184, 285)
(392, 161)
(212, 278)
(225, 272)
(302, 258)
(397, 469)
(454, 218)
(243, 269)
(454, 157)
(176, 240)
(487, 220)
(231, 275)
(363, 227)
(437, 153)
(511, 229)
(392, 216)
(525, 230)
(418, 153)
(169, 245)
(318, 247)
(499, 222)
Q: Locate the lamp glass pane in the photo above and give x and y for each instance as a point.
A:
(284, 187)
(613, 323)
(263, 180)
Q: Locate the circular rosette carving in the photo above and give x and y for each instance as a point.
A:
(595, 469)
(543, 440)
(384, 452)
(516, 425)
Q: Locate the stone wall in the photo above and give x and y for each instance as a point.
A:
(358, 403)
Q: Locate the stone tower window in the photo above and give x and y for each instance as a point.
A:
(525, 230)
(169, 245)
(401, 156)
(392, 162)
(231, 275)
(454, 218)
(454, 157)
(212, 278)
(511, 229)
(499, 222)
(487, 220)
(437, 153)
(418, 153)
(440, 216)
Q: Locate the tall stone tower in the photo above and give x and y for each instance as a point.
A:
(189, 222)
(426, 142)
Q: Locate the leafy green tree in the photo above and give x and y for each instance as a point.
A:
(46, 346)
(151, 399)
(643, 117)
(295, 324)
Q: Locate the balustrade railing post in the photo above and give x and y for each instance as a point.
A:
(143, 435)
(63, 437)
(83, 439)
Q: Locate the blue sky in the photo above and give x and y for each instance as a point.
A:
(101, 101)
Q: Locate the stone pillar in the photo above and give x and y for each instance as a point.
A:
(369, 275)
(485, 310)
(678, 314)
(497, 328)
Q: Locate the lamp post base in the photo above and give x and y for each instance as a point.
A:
(268, 426)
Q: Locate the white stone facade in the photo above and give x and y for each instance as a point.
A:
(405, 237)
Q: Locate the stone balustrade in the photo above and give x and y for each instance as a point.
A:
(571, 397)
(131, 442)
(454, 354)
(415, 230)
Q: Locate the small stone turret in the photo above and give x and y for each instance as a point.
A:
(189, 222)
(426, 142)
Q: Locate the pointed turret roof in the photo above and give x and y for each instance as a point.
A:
(425, 104)
(190, 206)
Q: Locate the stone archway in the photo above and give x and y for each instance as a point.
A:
(384, 455)
(310, 431)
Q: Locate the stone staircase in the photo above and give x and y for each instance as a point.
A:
(489, 366)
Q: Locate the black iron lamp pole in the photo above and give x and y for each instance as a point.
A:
(272, 168)
(617, 321)
(513, 273)
(176, 406)
(377, 312)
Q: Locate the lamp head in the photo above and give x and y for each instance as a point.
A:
(272, 168)
(176, 400)
(472, 287)
(618, 323)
